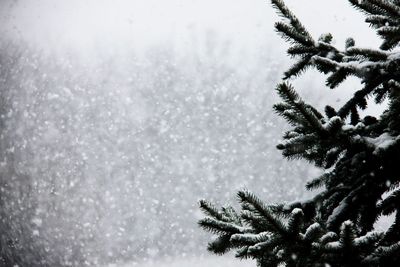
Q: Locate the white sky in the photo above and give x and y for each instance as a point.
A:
(139, 23)
(96, 28)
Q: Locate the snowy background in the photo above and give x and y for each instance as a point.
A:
(118, 116)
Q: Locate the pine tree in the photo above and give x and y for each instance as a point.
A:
(359, 155)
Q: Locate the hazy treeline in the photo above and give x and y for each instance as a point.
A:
(104, 159)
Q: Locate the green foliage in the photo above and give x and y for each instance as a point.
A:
(359, 154)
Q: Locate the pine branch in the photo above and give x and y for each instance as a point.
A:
(289, 95)
(294, 22)
(389, 8)
(211, 210)
(262, 210)
(360, 154)
(220, 227)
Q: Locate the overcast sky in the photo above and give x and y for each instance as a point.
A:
(137, 23)
(113, 28)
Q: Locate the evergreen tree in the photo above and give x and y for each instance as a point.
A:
(359, 154)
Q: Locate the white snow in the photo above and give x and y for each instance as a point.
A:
(383, 141)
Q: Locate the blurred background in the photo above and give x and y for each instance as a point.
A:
(116, 117)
